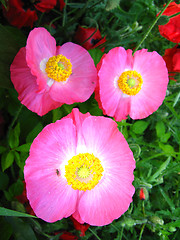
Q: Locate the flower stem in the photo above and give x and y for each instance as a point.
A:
(14, 120)
(174, 15)
(64, 14)
(142, 230)
(94, 234)
(151, 27)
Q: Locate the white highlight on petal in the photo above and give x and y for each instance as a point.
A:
(43, 65)
(116, 82)
(50, 82)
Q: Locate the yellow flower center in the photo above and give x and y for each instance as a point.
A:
(83, 171)
(58, 68)
(130, 82)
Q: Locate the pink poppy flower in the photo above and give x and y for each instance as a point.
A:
(82, 166)
(134, 86)
(46, 76)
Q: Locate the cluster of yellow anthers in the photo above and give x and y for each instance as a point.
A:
(83, 171)
(58, 68)
(130, 82)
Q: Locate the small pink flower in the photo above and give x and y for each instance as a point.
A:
(134, 86)
(46, 76)
(82, 166)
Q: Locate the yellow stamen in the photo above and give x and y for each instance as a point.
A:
(83, 171)
(58, 68)
(130, 82)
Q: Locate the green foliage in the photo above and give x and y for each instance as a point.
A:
(154, 140)
(10, 41)
(10, 213)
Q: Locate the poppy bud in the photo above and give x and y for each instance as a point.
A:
(141, 194)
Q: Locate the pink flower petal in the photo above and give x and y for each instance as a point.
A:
(81, 84)
(27, 88)
(112, 66)
(153, 70)
(50, 196)
(111, 197)
(40, 45)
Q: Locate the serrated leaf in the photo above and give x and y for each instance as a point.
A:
(111, 4)
(7, 160)
(139, 127)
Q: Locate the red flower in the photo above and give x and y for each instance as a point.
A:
(171, 30)
(172, 59)
(62, 4)
(141, 194)
(80, 227)
(23, 13)
(67, 236)
(82, 34)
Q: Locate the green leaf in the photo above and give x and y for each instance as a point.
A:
(164, 138)
(9, 46)
(111, 4)
(168, 200)
(139, 127)
(12, 213)
(4, 180)
(19, 161)
(24, 148)
(2, 149)
(163, 20)
(167, 149)
(4, 3)
(33, 134)
(96, 55)
(7, 160)
(14, 137)
(160, 170)
(21, 229)
(16, 188)
(160, 129)
(6, 230)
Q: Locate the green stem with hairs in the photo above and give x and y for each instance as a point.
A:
(142, 230)
(94, 233)
(14, 120)
(174, 15)
(151, 27)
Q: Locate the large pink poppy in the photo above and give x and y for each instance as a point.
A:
(46, 76)
(131, 85)
(80, 165)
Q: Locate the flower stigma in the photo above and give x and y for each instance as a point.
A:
(130, 82)
(83, 171)
(58, 68)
